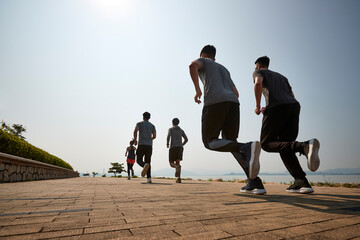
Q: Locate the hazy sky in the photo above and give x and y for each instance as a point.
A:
(79, 74)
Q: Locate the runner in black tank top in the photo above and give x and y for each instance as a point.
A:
(130, 153)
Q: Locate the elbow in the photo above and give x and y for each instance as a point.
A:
(193, 67)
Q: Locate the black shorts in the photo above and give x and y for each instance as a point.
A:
(175, 153)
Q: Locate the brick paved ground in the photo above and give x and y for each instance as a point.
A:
(112, 208)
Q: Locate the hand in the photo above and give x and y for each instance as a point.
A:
(197, 97)
(135, 142)
(259, 110)
(167, 145)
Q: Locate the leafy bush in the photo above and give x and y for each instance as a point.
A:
(13, 145)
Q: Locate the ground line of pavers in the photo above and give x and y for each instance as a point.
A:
(44, 212)
(14, 199)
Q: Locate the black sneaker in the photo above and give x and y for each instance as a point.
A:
(178, 180)
(300, 186)
(128, 177)
(251, 152)
(132, 173)
(254, 186)
(311, 151)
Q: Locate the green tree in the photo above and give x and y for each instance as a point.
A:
(116, 168)
(16, 129)
(94, 174)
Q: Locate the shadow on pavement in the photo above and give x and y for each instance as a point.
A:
(194, 183)
(327, 203)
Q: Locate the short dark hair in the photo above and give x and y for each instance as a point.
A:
(132, 142)
(263, 61)
(146, 115)
(209, 50)
(176, 121)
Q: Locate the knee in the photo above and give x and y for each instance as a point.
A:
(265, 146)
(206, 144)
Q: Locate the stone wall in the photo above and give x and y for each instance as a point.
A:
(17, 169)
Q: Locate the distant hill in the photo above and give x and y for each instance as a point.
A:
(341, 171)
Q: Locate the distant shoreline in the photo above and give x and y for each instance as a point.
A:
(280, 178)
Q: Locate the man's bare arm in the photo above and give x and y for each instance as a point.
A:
(135, 135)
(258, 92)
(194, 69)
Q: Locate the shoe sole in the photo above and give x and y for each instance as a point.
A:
(254, 165)
(255, 191)
(302, 190)
(144, 171)
(313, 155)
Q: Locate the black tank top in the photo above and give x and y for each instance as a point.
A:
(131, 153)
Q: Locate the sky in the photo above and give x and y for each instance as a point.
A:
(79, 74)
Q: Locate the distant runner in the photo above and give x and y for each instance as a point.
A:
(147, 133)
(130, 153)
(176, 147)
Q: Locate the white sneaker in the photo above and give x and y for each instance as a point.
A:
(149, 180)
(311, 151)
(254, 186)
(145, 169)
(300, 186)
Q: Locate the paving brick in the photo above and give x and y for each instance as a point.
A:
(99, 236)
(349, 232)
(256, 236)
(47, 235)
(19, 230)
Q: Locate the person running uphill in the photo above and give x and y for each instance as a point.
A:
(221, 114)
(176, 147)
(130, 153)
(147, 133)
(280, 124)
